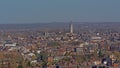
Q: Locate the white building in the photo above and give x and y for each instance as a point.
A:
(10, 44)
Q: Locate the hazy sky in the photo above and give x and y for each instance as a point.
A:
(30, 11)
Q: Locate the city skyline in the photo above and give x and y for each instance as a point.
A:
(59, 34)
(13, 11)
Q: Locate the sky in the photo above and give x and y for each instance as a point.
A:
(41, 11)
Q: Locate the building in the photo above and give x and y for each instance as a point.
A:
(9, 43)
(71, 28)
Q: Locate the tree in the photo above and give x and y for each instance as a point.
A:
(100, 54)
(28, 64)
(44, 64)
(20, 66)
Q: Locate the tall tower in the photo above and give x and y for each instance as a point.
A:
(71, 28)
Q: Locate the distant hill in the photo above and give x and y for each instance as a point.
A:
(61, 26)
